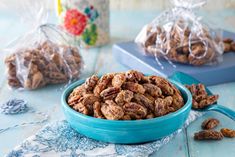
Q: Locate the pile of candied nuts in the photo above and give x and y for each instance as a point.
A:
(125, 96)
(229, 45)
(208, 134)
(47, 63)
(201, 99)
(175, 45)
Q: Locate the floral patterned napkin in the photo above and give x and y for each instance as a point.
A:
(59, 139)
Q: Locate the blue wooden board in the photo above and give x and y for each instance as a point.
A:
(131, 55)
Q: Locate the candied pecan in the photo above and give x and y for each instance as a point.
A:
(134, 87)
(228, 132)
(233, 46)
(200, 97)
(198, 50)
(110, 93)
(209, 100)
(102, 84)
(162, 83)
(126, 117)
(34, 79)
(111, 110)
(227, 47)
(201, 89)
(153, 90)
(228, 40)
(151, 39)
(203, 56)
(55, 77)
(181, 58)
(37, 80)
(149, 97)
(192, 88)
(185, 50)
(150, 115)
(195, 104)
(200, 54)
(134, 110)
(80, 107)
(134, 76)
(91, 82)
(55, 58)
(177, 55)
(208, 135)
(210, 123)
(78, 90)
(145, 79)
(118, 80)
(97, 110)
(88, 100)
(194, 61)
(76, 95)
(14, 82)
(162, 106)
(123, 97)
(177, 102)
(143, 100)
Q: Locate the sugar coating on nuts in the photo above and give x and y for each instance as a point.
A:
(153, 90)
(97, 110)
(143, 100)
(91, 82)
(180, 43)
(208, 135)
(111, 110)
(135, 111)
(118, 80)
(210, 123)
(76, 95)
(47, 63)
(166, 86)
(201, 99)
(228, 132)
(125, 96)
(134, 76)
(110, 93)
(229, 45)
(134, 87)
(163, 106)
(102, 83)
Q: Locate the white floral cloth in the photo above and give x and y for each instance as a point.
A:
(60, 140)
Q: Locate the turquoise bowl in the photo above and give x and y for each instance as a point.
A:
(128, 131)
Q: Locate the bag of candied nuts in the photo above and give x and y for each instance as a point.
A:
(179, 35)
(43, 55)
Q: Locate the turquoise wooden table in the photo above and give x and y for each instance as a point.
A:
(124, 27)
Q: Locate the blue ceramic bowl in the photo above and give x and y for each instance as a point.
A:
(128, 131)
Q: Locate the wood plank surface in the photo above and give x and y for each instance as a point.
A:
(124, 27)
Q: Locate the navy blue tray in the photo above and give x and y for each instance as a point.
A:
(129, 54)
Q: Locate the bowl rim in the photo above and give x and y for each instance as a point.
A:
(70, 88)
